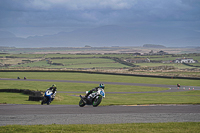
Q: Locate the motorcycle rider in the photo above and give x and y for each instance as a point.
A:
(93, 90)
(53, 89)
(178, 85)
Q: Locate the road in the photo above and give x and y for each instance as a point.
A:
(73, 114)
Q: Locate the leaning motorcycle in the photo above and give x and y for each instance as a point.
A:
(47, 97)
(94, 98)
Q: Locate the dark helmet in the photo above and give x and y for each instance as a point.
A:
(101, 86)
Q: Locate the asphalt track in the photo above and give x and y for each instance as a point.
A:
(73, 114)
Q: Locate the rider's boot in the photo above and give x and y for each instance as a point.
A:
(52, 99)
(84, 98)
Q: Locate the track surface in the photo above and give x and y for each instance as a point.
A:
(73, 114)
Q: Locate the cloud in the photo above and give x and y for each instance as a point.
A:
(80, 5)
(86, 13)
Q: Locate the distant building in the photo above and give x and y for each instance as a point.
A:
(151, 52)
(137, 54)
(161, 53)
(184, 60)
(158, 53)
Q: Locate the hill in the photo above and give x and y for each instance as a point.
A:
(104, 36)
(153, 46)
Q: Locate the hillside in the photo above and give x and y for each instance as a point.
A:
(106, 36)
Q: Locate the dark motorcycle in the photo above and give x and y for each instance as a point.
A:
(178, 85)
(94, 98)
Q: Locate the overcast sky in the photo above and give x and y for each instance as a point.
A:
(40, 17)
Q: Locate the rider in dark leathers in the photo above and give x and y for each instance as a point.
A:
(178, 85)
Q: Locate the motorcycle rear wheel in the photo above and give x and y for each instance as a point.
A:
(97, 101)
(81, 103)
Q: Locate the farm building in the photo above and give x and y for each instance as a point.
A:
(161, 53)
(157, 53)
(184, 60)
(137, 54)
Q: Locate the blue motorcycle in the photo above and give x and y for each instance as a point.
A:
(47, 97)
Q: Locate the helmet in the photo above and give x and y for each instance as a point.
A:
(53, 85)
(101, 86)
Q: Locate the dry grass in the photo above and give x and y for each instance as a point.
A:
(59, 98)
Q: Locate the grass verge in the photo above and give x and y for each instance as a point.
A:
(176, 127)
(186, 97)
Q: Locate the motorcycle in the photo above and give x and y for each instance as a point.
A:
(47, 97)
(178, 85)
(94, 98)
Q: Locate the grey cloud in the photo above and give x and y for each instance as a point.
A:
(80, 5)
(100, 9)
(86, 13)
(167, 10)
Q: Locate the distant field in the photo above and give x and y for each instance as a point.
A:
(173, 57)
(75, 63)
(97, 77)
(101, 62)
(39, 64)
(176, 65)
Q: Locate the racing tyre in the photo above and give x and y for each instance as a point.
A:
(81, 103)
(97, 101)
(44, 101)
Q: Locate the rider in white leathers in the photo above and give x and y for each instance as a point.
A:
(93, 90)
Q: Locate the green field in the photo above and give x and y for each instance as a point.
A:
(88, 61)
(98, 77)
(180, 66)
(186, 97)
(72, 63)
(172, 127)
(20, 58)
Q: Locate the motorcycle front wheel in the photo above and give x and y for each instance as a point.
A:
(97, 101)
(81, 103)
(44, 101)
